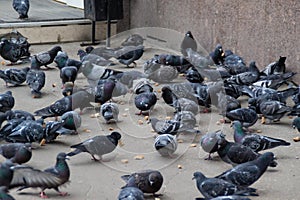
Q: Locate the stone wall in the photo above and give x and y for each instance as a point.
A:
(260, 30)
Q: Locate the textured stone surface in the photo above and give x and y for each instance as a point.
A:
(257, 30)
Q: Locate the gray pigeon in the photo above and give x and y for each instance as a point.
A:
(127, 77)
(36, 81)
(17, 152)
(227, 103)
(7, 101)
(254, 141)
(129, 54)
(210, 142)
(62, 59)
(44, 58)
(14, 76)
(246, 174)
(198, 61)
(187, 121)
(148, 181)
(164, 74)
(120, 89)
(229, 197)
(104, 90)
(145, 101)
(22, 7)
(10, 50)
(68, 74)
(246, 116)
(6, 173)
(110, 112)
(72, 120)
(51, 178)
(166, 144)
(274, 110)
(80, 99)
(214, 187)
(188, 42)
(296, 123)
(165, 126)
(98, 145)
(133, 40)
(277, 67)
(131, 193)
(4, 194)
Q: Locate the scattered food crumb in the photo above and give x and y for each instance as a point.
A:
(146, 118)
(111, 128)
(296, 139)
(140, 122)
(156, 84)
(86, 130)
(193, 145)
(258, 131)
(159, 91)
(124, 161)
(179, 166)
(180, 141)
(53, 84)
(139, 157)
(124, 115)
(168, 118)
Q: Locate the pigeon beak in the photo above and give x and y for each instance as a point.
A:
(67, 158)
(231, 124)
(294, 126)
(120, 143)
(223, 54)
(193, 178)
(68, 93)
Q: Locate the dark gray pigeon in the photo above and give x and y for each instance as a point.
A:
(44, 58)
(235, 153)
(36, 81)
(26, 132)
(62, 59)
(110, 112)
(14, 76)
(235, 64)
(129, 54)
(274, 110)
(68, 74)
(171, 60)
(214, 187)
(22, 8)
(17, 152)
(80, 99)
(6, 173)
(72, 120)
(187, 121)
(4, 194)
(296, 123)
(19, 114)
(133, 40)
(246, 116)
(127, 77)
(254, 141)
(277, 67)
(104, 90)
(145, 101)
(198, 61)
(10, 51)
(148, 181)
(166, 144)
(51, 178)
(7, 101)
(247, 173)
(97, 146)
(229, 197)
(218, 55)
(188, 42)
(165, 126)
(210, 142)
(131, 193)
(227, 103)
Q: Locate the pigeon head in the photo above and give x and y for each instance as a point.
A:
(189, 34)
(62, 156)
(155, 178)
(236, 124)
(89, 49)
(61, 59)
(116, 135)
(198, 176)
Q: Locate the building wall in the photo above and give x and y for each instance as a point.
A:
(260, 30)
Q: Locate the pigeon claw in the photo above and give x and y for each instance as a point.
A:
(43, 195)
(263, 120)
(63, 194)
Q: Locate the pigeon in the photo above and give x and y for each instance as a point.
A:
(218, 55)
(183, 90)
(151, 66)
(164, 74)
(129, 54)
(228, 197)
(165, 126)
(172, 60)
(4, 194)
(210, 142)
(133, 40)
(187, 121)
(22, 8)
(148, 181)
(95, 59)
(235, 153)
(72, 120)
(68, 74)
(44, 58)
(275, 81)
(274, 110)
(95, 72)
(79, 100)
(68, 89)
(197, 60)
(3, 118)
(193, 76)
(166, 144)
(97, 146)
(127, 77)
(10, 51)
(142, 86)
(7, 101)
(9, 126)
(6, 173)
(120, 89)
(188, 42)
(227, 103)
(277, 67)
(19, 114)
(109, 112)
(36, 79)
(14, 76)
(26, 132)
(51, 178)
(131, 193)
(246, 78)
(214, 187)
(246, 116)
(62, 59)
(104, 90)
(103, 52)
(235, 64)
(17, 152)
(271, 94)
(145, 101)
(246, 174)
(296, 123)
(254, 141)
